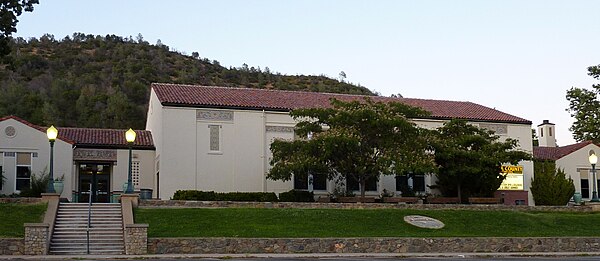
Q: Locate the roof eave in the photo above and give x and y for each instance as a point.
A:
(111, 146)
(247, 108)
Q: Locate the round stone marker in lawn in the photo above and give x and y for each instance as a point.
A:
(423, 222)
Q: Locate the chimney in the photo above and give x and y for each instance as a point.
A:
(546, 134)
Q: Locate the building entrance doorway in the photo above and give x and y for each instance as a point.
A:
(98, 176)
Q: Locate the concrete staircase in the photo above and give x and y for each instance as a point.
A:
(69, 236)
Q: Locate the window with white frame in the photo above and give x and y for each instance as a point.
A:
(23, 171)
(214, 138)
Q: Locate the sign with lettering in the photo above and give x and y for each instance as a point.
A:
(514, 177)
(511, 169)
(95, 154)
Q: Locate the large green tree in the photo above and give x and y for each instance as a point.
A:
(358, 140)
(584, 107)
(9, 10)
(469, 159)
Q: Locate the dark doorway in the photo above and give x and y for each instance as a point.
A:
(98, 175)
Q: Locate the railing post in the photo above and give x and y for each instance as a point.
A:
(89, 220)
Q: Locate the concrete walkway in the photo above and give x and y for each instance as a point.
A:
(317, 255)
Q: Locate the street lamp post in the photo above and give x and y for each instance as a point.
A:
(593, 160)
(52, 133)
(310, 175)
(130, 137)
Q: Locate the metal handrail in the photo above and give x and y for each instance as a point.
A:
(89, 220)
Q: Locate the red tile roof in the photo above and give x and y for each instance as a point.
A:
(555, 153)
(278, 100)
(89, 137)
(112, 138)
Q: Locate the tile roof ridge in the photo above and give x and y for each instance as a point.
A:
(102, 129)
(266, 90)
(323, 93)
(433, 100)
(563, 151)
(581, 143)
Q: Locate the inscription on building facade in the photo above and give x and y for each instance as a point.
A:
(214, 115)
(95, 154)
(279, 129)
(497, 128)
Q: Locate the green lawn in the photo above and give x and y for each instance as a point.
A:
(277, 223)
(13, 216)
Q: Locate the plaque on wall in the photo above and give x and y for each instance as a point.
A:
(279, 129)
(95, 154)
(497, 128)
(214, 115)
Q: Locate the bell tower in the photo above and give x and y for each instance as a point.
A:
(546, 134)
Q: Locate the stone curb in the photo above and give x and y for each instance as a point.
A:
(318, 255)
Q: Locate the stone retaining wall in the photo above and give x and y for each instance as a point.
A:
(136, 239)
(230, 204)
(368, 245)
(12, 246)
(37, 238)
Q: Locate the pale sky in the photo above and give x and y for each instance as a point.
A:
(519, 57)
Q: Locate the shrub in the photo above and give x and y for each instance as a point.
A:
(195, 195)
(248, 196)
(13, 195)
(297, 196)
(38, 185)
(2, 179)
(230, 196)
(550, 187)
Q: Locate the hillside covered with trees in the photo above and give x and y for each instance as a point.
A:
(104, 81)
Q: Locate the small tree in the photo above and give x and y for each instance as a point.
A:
(38, 185)
(363, 140)
(551, 186)
(2, 179)
(470, 159)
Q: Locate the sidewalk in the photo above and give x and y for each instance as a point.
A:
(308, 255)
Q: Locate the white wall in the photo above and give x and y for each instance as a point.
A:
(577, 163)
(154, 123)
(178, 160)
(121, 168)
(28, 139)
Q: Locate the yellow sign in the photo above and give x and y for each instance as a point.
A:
(514, 177)
(511, 169)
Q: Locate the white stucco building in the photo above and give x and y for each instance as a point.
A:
(217, 138)
(83, 156)
(573, 158)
